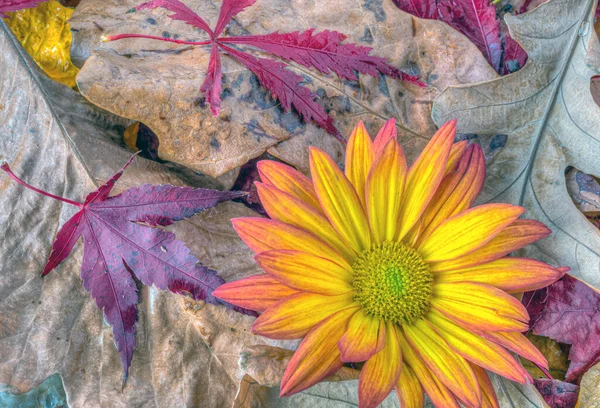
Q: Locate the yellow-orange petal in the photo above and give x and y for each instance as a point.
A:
(479, 307)
(513, 275)
(455, 156)
(262, 234)
(386, 133)
(381, 372)
(317, 356)
(457, 192)
(289, 180)
(488, 395)
(306, 272)
(359, 158)
(519, 344)
(478, 350)
(294, 316)
(364, 337)
(438, 393)
(446, 365)
(468, 231)
(409, 390)
(286, 208)
(424, 176)
(339, 200)
(516, 236)
(385, 185)
(257, 292)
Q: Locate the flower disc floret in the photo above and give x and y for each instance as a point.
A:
(392, 282)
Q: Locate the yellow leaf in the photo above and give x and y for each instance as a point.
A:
(44, 32)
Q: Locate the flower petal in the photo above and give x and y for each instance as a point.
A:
(384, 189)
(365, 337)
(294, 316)
(424, 176)
(286, 208)
(479, 307)
(456, 154)
(289, 180)
(318, 355)
(488, 395)
(468, 231)
(457, 192)
(339, 200)
(477, 350)
(438, 393)
(447, 366)
(512, 275)
(385, 134)
(359, 158)
(306, 272)
(256, 292)
(517, 235)
(409, 390)
(519, 344)
(381, 372)
(262, 234)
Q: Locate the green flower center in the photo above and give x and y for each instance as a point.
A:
(392, 282)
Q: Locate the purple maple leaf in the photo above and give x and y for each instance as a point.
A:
(118, 248)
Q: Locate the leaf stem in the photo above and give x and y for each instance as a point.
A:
(107, 38)
(42, 192)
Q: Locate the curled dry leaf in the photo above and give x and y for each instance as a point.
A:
(157, 83)
(552, 122)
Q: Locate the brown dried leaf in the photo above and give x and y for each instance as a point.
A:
(158, 83)
(589, 394)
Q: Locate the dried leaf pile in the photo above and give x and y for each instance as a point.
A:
(272, 78)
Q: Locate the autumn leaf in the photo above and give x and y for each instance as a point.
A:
(551, 122)
(477, 20)
(117, 248)
(7, 6)
(323, 51)
(568, 311)
(45, 34)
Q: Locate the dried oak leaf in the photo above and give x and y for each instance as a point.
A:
(157, 83)
(551, 122)
(568, 311)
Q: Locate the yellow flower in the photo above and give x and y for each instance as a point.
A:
(388, 265)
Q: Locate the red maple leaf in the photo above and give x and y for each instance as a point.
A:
(7, 6)
(568, 311)
(477, 20)
(323, 51)
(116, 248)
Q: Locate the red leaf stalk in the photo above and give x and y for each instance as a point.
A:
(21, 182)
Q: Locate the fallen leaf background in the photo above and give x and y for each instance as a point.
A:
(157, 83)
(198, 345)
